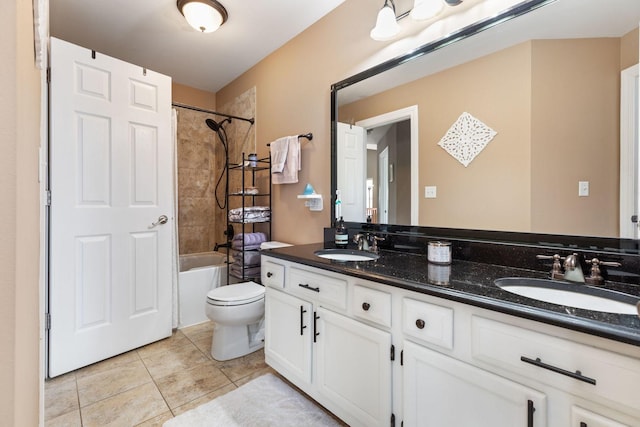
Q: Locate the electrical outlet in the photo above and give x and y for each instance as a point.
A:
(583, 188)
(430, 192)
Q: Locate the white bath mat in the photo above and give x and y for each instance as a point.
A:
(265, 401)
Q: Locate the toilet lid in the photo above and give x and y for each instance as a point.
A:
(239, 293)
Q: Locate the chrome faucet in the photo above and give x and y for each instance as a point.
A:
(361, 240)
(573, 268)
(367, 242)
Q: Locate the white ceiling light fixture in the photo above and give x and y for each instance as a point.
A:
(426, 9)
(386, 25)
(203, 15)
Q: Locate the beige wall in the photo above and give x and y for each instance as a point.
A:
(293, 91)
(193, 97)
(293, 95)
(576, 136)
(19, 224)
(526, 178)
(470, 197)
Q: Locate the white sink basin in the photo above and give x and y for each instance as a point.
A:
(346, 255)
(571, 295)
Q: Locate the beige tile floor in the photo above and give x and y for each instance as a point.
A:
(147, 386)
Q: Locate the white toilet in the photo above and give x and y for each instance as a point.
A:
(237, 312)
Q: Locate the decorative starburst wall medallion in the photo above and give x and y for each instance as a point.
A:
(466, 138)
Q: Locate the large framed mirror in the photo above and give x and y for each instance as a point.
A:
(557, 81)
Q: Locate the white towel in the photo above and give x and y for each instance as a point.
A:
(279, 149)
(289, 174)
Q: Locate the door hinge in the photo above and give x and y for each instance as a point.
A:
(48, 195)
(48, 75)
(401, 357)
(47, 321)
(393, 353)
(393, 420)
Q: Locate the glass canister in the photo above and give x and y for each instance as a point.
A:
(439, 252)
(438, 274)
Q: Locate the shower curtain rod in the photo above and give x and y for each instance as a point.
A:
(202, 110)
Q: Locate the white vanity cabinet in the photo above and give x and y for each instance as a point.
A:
(455, 364)
(313, 340)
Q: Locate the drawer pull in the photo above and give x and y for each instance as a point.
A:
(366, 306)
(311, 288)
(302, 326)
(420, 323)
(530, 410)
(575, 375)
(269, 274)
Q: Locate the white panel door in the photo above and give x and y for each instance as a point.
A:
(383, 186)
(110, 179)
(630, 152)
(351, 159)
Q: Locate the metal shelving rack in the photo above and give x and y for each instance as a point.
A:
(249, 170)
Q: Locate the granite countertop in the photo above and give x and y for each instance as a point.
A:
(473, 283)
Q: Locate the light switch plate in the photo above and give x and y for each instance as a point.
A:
(430, 192)
(583, 188)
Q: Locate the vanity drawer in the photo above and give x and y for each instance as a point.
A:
(372, 305)
(272, 273)
(580, 369)
(428, 322)
(318, 287)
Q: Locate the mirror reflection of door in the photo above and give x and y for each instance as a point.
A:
(383, 185)
(630, 152)
(351, 172)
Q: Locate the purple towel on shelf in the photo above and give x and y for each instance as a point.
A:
(251, 258)
(248, 241)
(247, 272)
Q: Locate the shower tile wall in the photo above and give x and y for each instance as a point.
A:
(201, 223)
(197, 171)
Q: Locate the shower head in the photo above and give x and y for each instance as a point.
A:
(215, 126)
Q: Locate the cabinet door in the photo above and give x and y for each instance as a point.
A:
(288, 334)
(441, 391)
(353, 369)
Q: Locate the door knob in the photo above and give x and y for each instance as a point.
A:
(162, 219)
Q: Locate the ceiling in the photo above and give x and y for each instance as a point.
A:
(154, 35)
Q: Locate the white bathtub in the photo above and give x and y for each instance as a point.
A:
(199, 273)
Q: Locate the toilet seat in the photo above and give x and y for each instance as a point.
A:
(237, 294)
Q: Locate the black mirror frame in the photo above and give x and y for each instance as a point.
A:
(613, 245)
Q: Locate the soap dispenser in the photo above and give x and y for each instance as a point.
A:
(342, 235)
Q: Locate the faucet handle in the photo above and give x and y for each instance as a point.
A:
(556, 268)
(595, 277)
(374, 245)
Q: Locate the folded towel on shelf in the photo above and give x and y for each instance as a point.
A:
(249, 257)
(289, 173)
(250, 214)
(248, 241)
(246, 272)
(279, 149)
